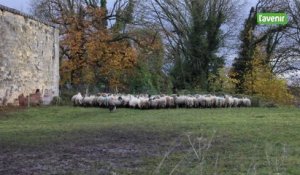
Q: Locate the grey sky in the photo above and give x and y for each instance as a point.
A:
(24, 5)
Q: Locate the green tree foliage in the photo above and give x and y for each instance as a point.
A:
(205, 41)
(242, 64)
(179, 71)
(222, 82)
(124, 16)
(195, 55)
(147, 76)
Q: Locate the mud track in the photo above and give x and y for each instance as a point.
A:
(102, 152)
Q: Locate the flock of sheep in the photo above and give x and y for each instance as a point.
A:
(112, 101)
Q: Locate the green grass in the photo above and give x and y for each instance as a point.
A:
(245, 140)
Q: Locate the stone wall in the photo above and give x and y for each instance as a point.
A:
(29, 57)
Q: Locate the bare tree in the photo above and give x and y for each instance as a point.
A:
(183, 24)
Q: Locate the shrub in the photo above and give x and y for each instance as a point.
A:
(260, 81)
(56, 101)
(222, 82)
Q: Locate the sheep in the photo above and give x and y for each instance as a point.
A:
(113, 102)
(201, 101)
(72, 99)
(117, 100)
(85, 101)
(246, 102)
(144, 101)
(95, 101)
(213, 101)
(208, 101)
(102, 101)
(220, 102)
(134, 102)
(235, 102)
(153, 102)
(197, 101)
(180, 101)
(229, 101)
(125, 101)
(170, 102)
(111, 105)
(79, 99)
(88, 101)
(145, 104)
(189, 102)
(161, 102)
(240, 102)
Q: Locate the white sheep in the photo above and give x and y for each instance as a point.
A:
(235, 102)
(180, 101)
(170, 102)
(161, 102)
(229, 101)
(77, 99)
(220, 102)
(246, 102)
(72, 99)
(102, 101)
(201, 101)
(144, 101)
(189, 102)
(88, 101)
(213, 101)
(208, 101)
(117, 100)
(125, 100)
(134, 102)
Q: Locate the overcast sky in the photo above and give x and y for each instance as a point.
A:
(23, 5)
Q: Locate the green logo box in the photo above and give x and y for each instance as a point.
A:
(272, 18)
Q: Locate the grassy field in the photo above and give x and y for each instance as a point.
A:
(68, 140)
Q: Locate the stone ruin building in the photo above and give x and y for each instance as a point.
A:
(29, 57)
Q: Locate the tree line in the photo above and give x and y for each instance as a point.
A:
(163, 46)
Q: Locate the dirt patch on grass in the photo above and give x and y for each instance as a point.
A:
(4, 110)
(101, 152)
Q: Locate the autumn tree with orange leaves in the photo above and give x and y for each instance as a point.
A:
(100, 47)
(95, 56)
(92, 52)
